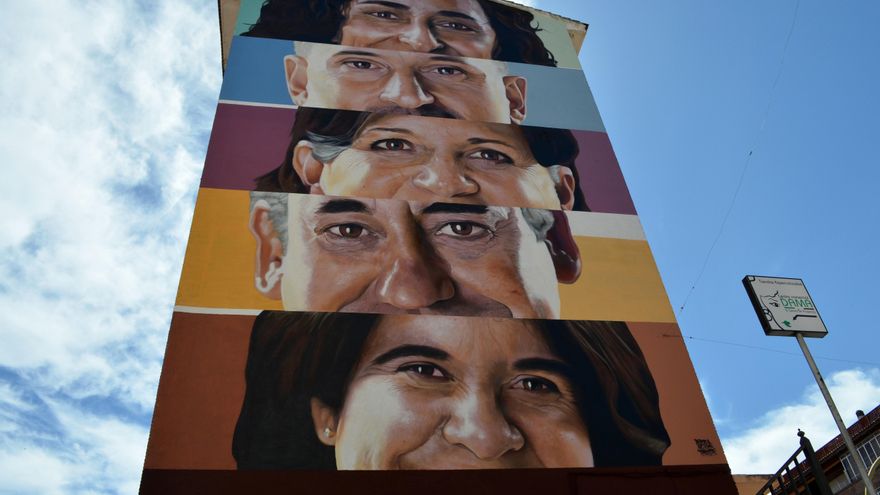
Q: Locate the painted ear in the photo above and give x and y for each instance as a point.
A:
(268, 268)
(565, 184)
(297, 75)
(307, 167)
(515, 89)
(325, 421)
(563, 250)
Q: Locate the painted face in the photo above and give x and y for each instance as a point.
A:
(428, 159)
(456, 393)
(333, 76)
(389, 256)
(449, 27)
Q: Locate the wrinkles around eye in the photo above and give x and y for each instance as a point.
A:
(490, 155)
(425, 371)
(347, 236)
(473, 243)
(535, 384)
(392, 145)
(348, 230)
(464, 230)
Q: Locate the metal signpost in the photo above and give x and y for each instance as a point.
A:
(785, 308)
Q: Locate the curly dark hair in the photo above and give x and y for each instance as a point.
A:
(319, 21)
(294, 357)
(548, 146)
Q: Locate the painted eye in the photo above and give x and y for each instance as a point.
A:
(462, 229)
(360, 64)
(347, 230)
(491, 155)
(392, 145)
(535, 384)
(455, 26)
(424, 369)
(384, 14)
(448, 71)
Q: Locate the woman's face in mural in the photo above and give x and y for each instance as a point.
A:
(456, 393)
(430, 159)
(450, 27)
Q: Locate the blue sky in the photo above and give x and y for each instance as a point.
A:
(686, 93)
(106, 109)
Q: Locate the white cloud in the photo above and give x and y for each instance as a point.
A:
(98, 455)
(719, 417)
(106, 108)
(763, 447)
(16, 468)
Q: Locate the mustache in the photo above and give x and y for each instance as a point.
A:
(430, 110)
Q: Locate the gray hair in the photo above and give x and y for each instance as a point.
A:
(326, 148)
(277, 211)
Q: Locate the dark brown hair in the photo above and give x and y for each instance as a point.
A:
(294, 357)
(319, 21)
(548, 146)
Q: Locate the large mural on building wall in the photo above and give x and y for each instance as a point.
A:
(413, 249)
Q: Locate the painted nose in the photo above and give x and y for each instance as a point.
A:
(420, 38)
(478, 424)
(443, 178)
(403, 90)
(414, 277)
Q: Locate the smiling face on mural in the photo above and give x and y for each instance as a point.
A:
(389, 256)
(456, 393)
(332, 76)
(427, 159)
(466, 28)
(449, 27)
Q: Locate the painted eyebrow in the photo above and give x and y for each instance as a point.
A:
(488, 141)
(460, 15)
(358, 53)
(447, 58)
(344, 206)
(390, 129)
(543, 364)
(412, 350)
(393, 5)
(454, 208)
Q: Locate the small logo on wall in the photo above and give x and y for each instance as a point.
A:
(705, 447)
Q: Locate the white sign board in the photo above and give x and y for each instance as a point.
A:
(784, 306)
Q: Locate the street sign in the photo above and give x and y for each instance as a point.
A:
(784, 306)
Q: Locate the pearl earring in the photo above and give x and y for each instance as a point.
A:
(327, 432)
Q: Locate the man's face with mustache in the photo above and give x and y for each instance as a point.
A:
(332, 76)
